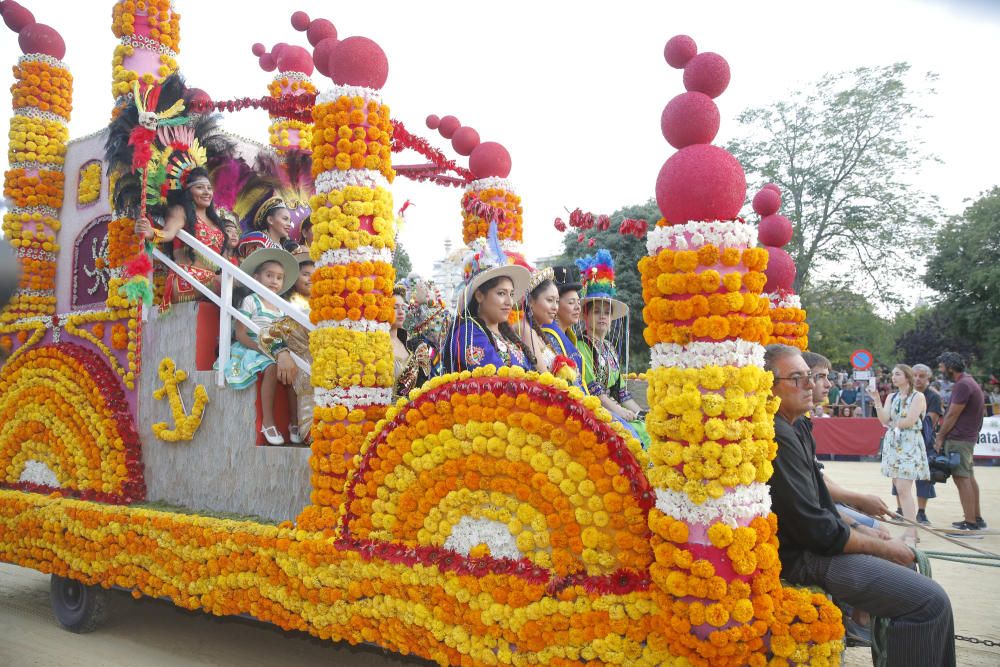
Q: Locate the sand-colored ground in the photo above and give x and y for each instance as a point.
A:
(149, 633)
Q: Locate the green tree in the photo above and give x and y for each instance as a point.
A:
(927, 333)
(964, 270)
(401, 261)
(842, 321)
(626, 251)
(841, 151)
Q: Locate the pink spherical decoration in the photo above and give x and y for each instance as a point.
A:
(258, 49)
(707, 73)
(201, 100)
(295, 59)
(319, 30)
(433, 122)
(767, 202)
(489, 159)
(15, 16)
(448, 126)
(358, 61)
(267, 62)
(300, 21)
(700, 182)
(690, 118)
(774, 230)
(40, 38)
(780, 270)
(322, 53)
(772, 186)
(465, 140)
(679, 50)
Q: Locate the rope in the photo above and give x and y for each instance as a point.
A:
(966, 559)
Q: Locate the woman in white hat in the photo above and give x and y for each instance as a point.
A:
(495, 281)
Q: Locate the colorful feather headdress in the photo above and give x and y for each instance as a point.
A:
(597, 273)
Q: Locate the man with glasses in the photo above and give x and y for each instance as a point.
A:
(818, 548)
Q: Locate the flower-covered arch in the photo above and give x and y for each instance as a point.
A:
(65, 418)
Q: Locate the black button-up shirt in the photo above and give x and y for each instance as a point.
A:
(807, 517)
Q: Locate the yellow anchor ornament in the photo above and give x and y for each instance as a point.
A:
(185, 425)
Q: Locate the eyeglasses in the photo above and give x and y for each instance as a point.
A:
(810, 378)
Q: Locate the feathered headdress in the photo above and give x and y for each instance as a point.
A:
(228, 179)
(597, 274)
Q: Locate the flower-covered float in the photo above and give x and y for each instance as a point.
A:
(490, 517)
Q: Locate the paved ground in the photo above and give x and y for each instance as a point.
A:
(148, 633)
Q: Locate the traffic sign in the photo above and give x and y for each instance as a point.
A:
(861, 360)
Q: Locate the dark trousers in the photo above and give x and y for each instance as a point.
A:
(922, 630)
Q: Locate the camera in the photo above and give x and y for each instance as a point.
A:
(941, 466)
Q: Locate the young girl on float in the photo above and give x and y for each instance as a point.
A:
(191, 209)
(276, 270)
(605, 336)
(495, 281)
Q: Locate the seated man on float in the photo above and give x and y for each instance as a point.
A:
(866, 505)
(819, 548)
(481, 334)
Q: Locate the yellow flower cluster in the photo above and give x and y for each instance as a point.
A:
(185, 425)
(89, 188)
(76, 324)
(711, 428)
(279, 132)
(26, 333)
(278, 87)
(345, 358)
(57, 409)
(122, 78)
(351, 133)
(164, 22)
(37, 140)
(351, 218)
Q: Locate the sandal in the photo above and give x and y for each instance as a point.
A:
(272, 435)
(293, 435)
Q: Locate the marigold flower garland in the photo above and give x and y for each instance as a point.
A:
(43, 87)
(481, 205)
(185, 424)
(352, 133)
(89, 185)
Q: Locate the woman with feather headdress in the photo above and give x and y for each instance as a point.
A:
(273, 201)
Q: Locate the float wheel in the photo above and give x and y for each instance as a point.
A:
(78, 608)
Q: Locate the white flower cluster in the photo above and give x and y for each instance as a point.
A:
(491, 183)
(738, 353)
(738, 505)
(469, 533)
(784, 300)
(689, 236)
(337, 179)
(352, 397)
(363, 326)
(36, 472)
(291, 76)
(33, 112)
(348, 256)
(335, 93)
(42, 58)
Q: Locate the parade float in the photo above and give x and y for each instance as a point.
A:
(490, 516)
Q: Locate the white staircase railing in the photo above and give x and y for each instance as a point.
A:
(227, 312)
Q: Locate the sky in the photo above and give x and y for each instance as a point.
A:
(574, 90)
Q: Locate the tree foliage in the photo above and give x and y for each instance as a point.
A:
(626, 251)
(965, 271)
(927, 334)
(842, 321)
(841, 150)
(401, 261)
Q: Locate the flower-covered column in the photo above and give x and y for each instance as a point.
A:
(711, 420)
(351, 301)
(42, 99)
(774, 231)
(288, 132)
(149, 34)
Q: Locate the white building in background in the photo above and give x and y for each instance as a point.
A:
(447, 272)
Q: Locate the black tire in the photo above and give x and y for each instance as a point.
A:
(77, 607)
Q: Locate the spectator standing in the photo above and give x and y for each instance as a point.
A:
(994, 399)
(959, 432)
(833, 396)
(932, 418)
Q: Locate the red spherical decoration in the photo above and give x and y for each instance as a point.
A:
(464, 140)
(358, 61)
(267, 62)
(449, 126)
(200, 100)
(40, 38)
(767, 202)
(679, 50)
(700, 182)
(772, 186)
(258, 49)
(774, 230)
(319, 30)
(780, 270)
(707, 73)
(300, 21)
(489, 159)
(15, 16)
(690, 118)
(322, 53)
(294, 59)
(433, 122)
